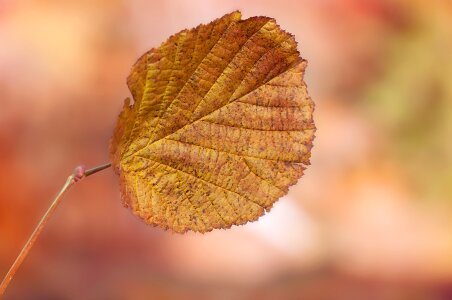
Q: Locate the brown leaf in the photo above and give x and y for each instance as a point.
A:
(220, 127)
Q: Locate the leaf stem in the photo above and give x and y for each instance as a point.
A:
(78, 174)
(97, 169)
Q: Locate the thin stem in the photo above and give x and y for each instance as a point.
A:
(97, 169)
(79, 173)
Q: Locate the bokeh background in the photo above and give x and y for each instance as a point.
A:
(371, 218)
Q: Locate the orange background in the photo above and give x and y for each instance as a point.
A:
(371, 218)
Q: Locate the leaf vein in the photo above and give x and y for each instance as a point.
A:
(231, 153)
(206, 181)
(264, 130)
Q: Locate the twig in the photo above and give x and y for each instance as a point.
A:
(78, 174)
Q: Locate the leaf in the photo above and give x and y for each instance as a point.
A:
(220, 127)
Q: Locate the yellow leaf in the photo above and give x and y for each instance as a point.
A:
(220, 127)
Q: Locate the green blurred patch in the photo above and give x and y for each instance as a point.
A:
(412, 101)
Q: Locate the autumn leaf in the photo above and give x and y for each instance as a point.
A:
(220, 127)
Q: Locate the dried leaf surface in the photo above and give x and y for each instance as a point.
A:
(220, 127)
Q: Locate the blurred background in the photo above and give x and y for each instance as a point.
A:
(370, 219)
